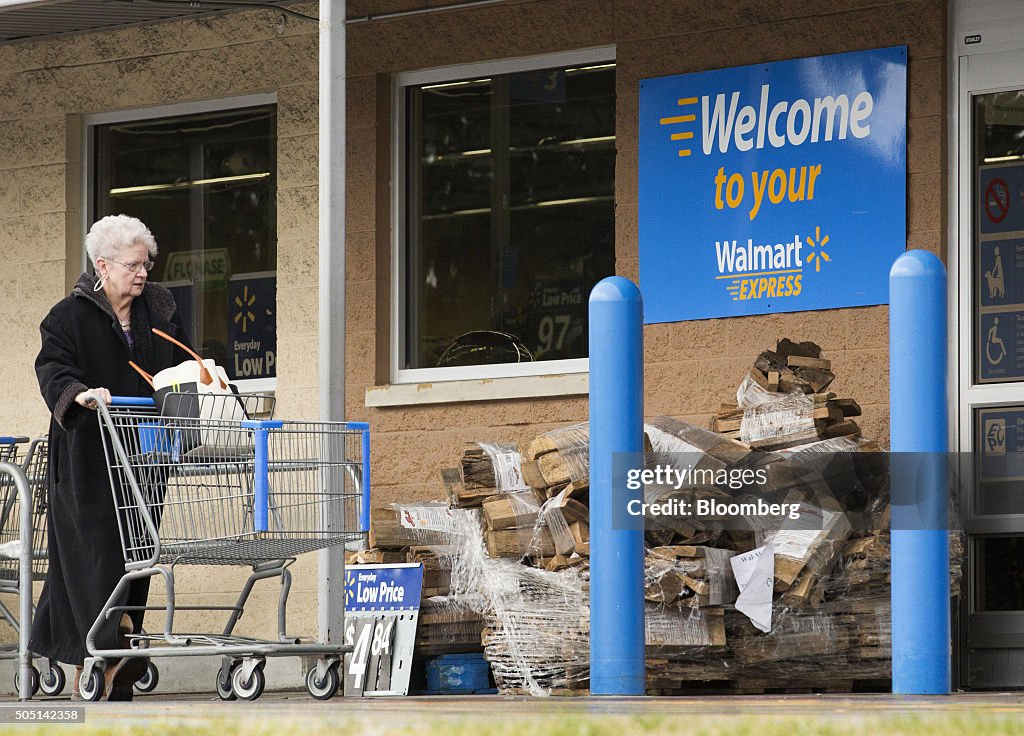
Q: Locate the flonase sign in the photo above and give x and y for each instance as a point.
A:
(209, 268)
(772, 188)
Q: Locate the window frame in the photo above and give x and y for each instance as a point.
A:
(400, 82)
(88, 141)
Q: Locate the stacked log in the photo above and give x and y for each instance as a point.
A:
(437, 567)
(448, 626)
(783, 401)
(688, 575)
(486, 470)
(558, 459)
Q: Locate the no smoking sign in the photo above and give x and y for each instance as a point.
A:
(997, 200)
(1000, 203)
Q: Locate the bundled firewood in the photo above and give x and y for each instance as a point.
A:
(689, 575)
(672, 630)
(512, 510)
(397, 527)
(516, 543)
(558, 458)
(487, 469)
(374, 556)
(793, 367)
(788, 420)
(437, 567)
(783, 401)
(448, 626)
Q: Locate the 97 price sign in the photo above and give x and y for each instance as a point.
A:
(556, 325)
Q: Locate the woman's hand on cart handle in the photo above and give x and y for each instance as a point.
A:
(89, 398)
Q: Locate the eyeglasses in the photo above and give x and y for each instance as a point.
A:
(134, 267)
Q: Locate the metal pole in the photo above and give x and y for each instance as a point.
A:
(331, 576)
(919, 427)
(616, 428)
(24, 578)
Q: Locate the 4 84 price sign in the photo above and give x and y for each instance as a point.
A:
(381, 613)
(368, 667)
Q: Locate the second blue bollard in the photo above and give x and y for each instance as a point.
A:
(919, 436)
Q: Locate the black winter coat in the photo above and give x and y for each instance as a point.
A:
(83, 347)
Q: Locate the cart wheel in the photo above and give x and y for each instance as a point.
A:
(326, 688)
(148, 682)
(33, 683)
(248, 689)
(90, 685)
(224, 690)
(52, 681)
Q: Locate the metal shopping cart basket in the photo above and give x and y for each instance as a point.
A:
(33, 464)
(196, 489)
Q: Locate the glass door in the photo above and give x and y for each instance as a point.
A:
(990, 303)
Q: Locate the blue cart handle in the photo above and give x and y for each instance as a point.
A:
(131, 401)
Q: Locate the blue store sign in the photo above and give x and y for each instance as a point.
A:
(1001, 187)
(252, 326)
(1000, 346)
(775, 187)
(381, 588)
(1001, 444)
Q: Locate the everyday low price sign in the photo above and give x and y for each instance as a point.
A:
(382, 604)
(775, 187)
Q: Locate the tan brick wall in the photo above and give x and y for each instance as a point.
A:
(690, 367)
(45, 86)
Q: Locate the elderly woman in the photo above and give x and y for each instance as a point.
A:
(87, 340)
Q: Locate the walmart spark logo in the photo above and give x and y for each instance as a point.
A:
(819, 255)
(677, 119)
(244, 304)
(350, 587)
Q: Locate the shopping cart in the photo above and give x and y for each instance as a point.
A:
(18, 522)
(33, 465)
(198, 489)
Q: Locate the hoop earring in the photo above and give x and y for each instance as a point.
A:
(99, 283)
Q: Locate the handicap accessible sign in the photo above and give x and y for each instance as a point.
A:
(775, 187)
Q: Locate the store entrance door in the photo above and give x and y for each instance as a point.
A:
(990, 294)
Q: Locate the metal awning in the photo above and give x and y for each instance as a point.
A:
(21, 20)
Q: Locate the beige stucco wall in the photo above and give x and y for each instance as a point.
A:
(690, 367)
(45, 86)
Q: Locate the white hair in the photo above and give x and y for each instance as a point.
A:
(114, 233)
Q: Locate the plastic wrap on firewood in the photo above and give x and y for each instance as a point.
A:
(506, 464)
(558, 457)
(791, 417)
(689, 575)
(536, 634)
(448, 626)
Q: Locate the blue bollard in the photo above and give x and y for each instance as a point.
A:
(919, 435)
(616, 426)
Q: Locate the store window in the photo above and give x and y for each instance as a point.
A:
(505, 215)
(206, 184)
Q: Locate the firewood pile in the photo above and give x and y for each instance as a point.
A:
(517, 575)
